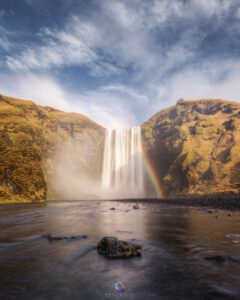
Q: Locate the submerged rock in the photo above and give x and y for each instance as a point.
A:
(114, 248)
(220, 259)
(216, 258)
(136, 206)
(51, 237)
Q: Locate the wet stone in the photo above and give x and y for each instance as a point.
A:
(136, 206)
(52, 238)
(114, 248)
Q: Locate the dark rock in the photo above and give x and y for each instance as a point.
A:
(216, 258)
(113, 208)
(51, 237)
(114, 248)
(136, 206)
(220, 259)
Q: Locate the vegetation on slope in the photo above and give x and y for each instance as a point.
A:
(21, 175)
(195, 147)
(42, 130)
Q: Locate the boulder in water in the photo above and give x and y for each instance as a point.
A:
(114, 248)
(136, 206)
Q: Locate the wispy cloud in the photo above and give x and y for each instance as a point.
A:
(5, 43)
(145, 54)
(40, 88)
(104, 105)
(122, 34)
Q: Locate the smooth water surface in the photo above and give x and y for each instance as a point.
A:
(175, 240)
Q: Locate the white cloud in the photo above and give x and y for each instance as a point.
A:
(39, 88)
(121, 34)
(5, 44)
(203, 83)
(119, 106)
(116, 37)
(104, 105)
(113, 106)
(58, 49)
(129, 34)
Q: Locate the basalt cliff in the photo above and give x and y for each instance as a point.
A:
(194, 147)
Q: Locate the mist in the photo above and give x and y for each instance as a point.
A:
(77, 168)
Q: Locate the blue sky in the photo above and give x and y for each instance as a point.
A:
(119, 61)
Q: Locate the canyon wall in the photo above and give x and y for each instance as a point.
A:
(45, 153)
(36, 143)
(194, 147)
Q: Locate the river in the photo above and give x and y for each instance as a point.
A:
(188, 253)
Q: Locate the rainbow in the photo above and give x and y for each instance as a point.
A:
(152, 174)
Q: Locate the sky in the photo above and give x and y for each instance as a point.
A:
(119, 61)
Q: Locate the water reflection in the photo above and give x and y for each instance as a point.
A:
(172, 266)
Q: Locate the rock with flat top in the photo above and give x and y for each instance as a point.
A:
(114, 248)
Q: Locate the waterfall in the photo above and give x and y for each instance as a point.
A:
(122, 171)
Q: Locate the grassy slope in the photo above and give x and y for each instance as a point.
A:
(196, 147)
(23, 124)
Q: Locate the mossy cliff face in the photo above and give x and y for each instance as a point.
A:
(21, 175)
(195, 147)
(30, 137)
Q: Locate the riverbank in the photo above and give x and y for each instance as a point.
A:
(231, 202)
(219, 202)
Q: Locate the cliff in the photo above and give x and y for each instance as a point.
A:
(194, 147)
(45, 153)
(31, 136)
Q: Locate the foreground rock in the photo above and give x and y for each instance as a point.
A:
(113, 248)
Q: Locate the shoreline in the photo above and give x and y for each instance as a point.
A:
(219, 202)
(231, 202)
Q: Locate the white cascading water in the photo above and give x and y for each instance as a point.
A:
(122, 172)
